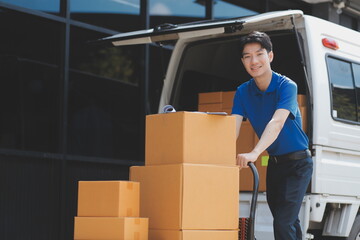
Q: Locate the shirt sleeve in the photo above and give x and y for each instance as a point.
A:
(238, 106)
(288, 97)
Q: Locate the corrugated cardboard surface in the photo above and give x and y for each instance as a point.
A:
(303, 111)
(211, 107)
(226, 98)
(245, 144)
(189, 196)
(188, 137)
(301, 100)
(193, 235)
(111, 228)
(108, 199)
(210, 97)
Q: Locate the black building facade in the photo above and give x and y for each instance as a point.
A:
(72, 110)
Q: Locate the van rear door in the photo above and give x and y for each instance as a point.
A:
(170, 32)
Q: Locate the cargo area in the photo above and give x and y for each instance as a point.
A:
(215, 65)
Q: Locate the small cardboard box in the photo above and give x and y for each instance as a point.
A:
(217, 97)
(210, 107)
(228, 99)
(190, 137)
(108, 199)
(245, 144)
(303, 111)
(111, 228)
(189, 196)
(210, 97)
(301, 100)
(193, 234)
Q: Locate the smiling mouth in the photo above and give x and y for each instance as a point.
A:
(255, 68)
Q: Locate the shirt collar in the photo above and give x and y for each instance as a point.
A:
(271, 87)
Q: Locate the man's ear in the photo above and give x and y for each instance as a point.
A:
(271, 56)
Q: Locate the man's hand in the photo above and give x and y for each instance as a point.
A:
(243, 159)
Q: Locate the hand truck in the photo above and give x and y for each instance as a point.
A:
(247, 225)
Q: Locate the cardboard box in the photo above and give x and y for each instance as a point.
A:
(210, 107)
(301, 98)
(226, 98)
(111, 228)
(193, 234)
(245, 144)
(227, 110)
(189, 196)
(303, 111)
(108, 199)
(190, 137)
(210, 97)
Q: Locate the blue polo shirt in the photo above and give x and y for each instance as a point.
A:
(259, 107)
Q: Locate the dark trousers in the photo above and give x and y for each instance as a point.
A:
(286, 184)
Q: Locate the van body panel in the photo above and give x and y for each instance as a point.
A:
(327, 130)
(336, 143)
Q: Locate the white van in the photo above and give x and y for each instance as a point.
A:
(323, 59)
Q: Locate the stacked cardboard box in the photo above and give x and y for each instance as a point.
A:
(109, 210)
(222, 102)
(303, 110)
(190, 179)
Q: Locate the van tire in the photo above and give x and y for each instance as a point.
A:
(355, 230)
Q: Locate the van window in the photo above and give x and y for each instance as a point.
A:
(344, 103)
(356, 68)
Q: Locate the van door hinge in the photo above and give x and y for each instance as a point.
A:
(234, 28)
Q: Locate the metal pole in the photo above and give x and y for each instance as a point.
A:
(209, 9)
(64, 11)
(144, 83)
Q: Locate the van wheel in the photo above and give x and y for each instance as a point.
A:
(355, 230)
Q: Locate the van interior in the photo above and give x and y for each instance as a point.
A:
(215, 65)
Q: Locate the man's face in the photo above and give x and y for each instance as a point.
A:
(256, 60)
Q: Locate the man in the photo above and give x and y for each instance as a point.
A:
(269, 101)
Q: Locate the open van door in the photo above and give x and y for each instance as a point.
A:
(170, 32)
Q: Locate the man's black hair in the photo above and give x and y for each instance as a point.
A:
(256, 37)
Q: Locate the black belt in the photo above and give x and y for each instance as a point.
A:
(291, 156)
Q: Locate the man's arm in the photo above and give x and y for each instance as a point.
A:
(269, 135)
(239, 120)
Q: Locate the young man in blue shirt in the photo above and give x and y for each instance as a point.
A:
(269, 101)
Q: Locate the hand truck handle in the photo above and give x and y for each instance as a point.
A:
(251, 229)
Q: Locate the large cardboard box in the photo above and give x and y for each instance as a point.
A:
(111, 228)
(108, 199)
(193, 234)
(189, 196)
(190, 137)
